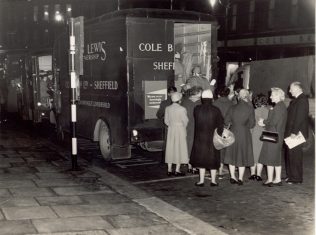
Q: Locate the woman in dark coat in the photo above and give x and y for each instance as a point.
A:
(241, 116)
(224, 104)
(204, 155)
(270, 154)
(190, 103)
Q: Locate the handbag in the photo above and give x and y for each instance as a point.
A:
(269, 136)
(223, 141)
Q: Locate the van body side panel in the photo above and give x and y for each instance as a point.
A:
(150, 61)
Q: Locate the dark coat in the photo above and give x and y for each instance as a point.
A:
(224, 104)
(242, 118)
(207, 119)
(297, 117)
(189, 106)
(270, 154)
(162, 108)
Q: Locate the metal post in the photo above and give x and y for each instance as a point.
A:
(72, 51)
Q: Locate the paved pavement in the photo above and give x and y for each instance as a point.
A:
(39, 194)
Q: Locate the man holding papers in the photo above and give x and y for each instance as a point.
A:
(297, 125)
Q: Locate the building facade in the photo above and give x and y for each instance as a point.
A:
(266, 29)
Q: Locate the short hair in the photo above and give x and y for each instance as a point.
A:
(243, 94)
(298, 85)
(279, 92)
(260, 100)
(223, 91)
(172, 89)
(194, 90)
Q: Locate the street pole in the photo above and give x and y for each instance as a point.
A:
(73, 99)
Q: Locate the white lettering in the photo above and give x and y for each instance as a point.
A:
(95, 51)
(170, 47)
(163, 65)
(155, 47)
(105, 85)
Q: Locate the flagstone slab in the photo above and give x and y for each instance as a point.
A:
(55, 182)
(81, 190)
(15, 201)
(11, 160)
(71, 224)
(111, 198)
(31, 192)
(5, 193)
(52, 175)
(135, 220)
(47, 169)
(16, 227)
(95, 210)
(60, 200)
(21, 213)
(5, 165)
(21, 170)
(16, 183)
(11, 176)
(156, 229)
(91, 232)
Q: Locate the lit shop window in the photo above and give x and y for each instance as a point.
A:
(46, 12)
(58, 16)
(68, 10)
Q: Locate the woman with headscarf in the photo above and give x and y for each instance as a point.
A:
(204, 156)
(270, 154)
(260, 103)
(176, 148)
(241, 117)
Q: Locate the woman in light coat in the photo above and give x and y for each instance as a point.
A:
(176, 148)
(270, 154)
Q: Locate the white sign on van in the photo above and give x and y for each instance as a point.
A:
(95, 51)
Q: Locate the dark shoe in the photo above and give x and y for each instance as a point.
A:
(240, 182)
(278, 184)
(190, 171)
(199, 184)
(258, 178)
(252, 177)
(179, 173)
(270, 184)
(233, 181)
(169, 173)
(214, 184)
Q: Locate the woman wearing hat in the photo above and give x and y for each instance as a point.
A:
(176, 148)
(204, 156)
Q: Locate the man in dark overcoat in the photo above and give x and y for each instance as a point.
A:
(297, 121)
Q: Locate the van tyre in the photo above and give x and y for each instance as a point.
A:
(105, 141)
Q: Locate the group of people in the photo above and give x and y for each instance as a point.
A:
(191, 119)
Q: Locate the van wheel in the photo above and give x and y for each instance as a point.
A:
(105, 141)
